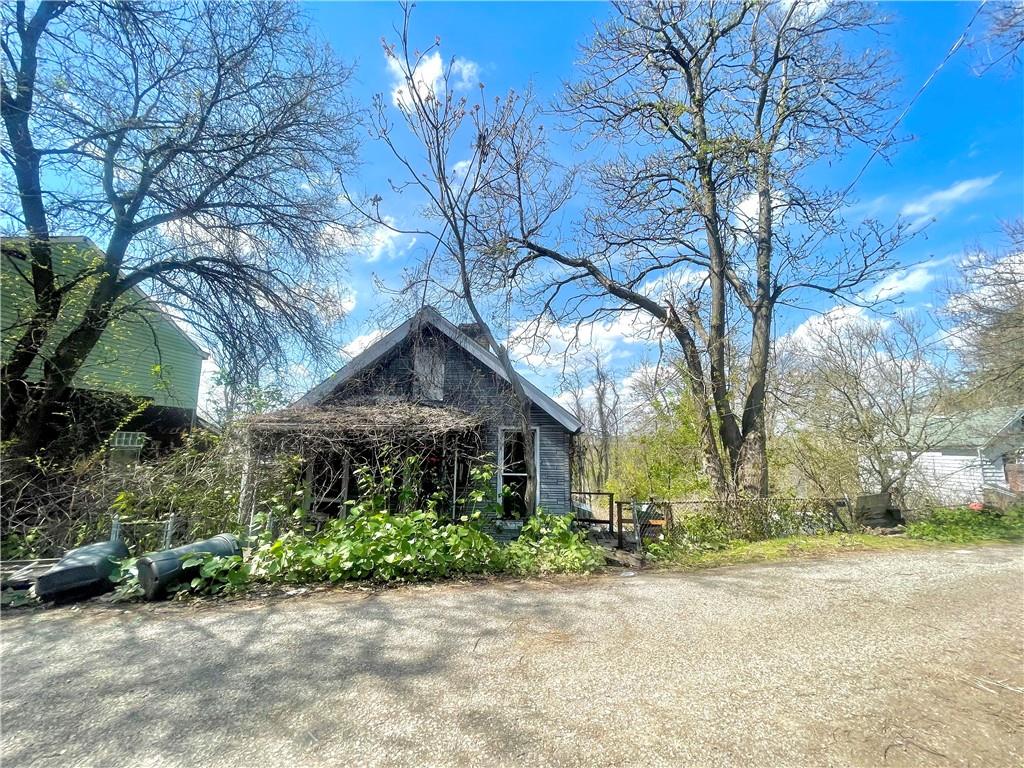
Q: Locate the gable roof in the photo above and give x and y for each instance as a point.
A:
(84, 245)
(430, 316)
(976, 429)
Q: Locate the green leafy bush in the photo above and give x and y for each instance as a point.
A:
(216, 576)
(963, 525)
(378, 546)
(374, 542)
(126, 579)
(22, 546)
(548, 544)
(698, 532)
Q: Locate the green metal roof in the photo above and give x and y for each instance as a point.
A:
(974, 429)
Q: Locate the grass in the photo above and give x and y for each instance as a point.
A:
(701, 542)
(960, 525)
(788, 548)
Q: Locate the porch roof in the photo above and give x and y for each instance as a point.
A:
(378, 418)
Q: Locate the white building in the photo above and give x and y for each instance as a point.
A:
(980, 457)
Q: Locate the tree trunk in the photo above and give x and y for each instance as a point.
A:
(16, 108)
(711, 458)
(752, 465)
(31, 428)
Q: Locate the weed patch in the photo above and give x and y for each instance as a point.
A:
(790, 547)
(962, 525)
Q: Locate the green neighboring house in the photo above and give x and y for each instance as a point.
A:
(144, 353)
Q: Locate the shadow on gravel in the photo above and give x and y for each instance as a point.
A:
(174, 682)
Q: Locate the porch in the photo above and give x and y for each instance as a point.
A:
(425, 452)
(620, 524)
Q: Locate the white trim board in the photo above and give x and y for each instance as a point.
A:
(536, 462)
(430, 316)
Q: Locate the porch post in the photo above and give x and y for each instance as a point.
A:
(247, 490)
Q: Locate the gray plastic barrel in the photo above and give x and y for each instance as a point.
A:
(82, 572)
(158, 571)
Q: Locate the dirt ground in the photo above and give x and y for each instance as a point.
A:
(874, 659)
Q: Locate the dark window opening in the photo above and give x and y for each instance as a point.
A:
(513, 474)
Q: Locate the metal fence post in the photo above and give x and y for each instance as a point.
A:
(168, 531)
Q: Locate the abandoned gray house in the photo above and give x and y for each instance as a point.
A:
(430, 389)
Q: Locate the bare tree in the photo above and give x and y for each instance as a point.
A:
(596, 403)
(453, 165)
(203, 143)
(704, 219)
(876, 388)
(986, 307)
(1003, 35)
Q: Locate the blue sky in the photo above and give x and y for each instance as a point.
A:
(961, 164)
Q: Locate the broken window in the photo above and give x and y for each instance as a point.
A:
(513, 473)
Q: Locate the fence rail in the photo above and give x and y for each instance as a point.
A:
(764, 518)
(594, 508)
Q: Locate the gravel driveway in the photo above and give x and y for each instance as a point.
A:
(910, 658)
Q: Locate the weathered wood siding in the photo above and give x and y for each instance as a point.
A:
(555, 448)
(472, 387)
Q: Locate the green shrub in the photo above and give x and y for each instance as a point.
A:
(963, 525)
(22, 546)
(548, 544)
(372, 542)
(379, 546)
(699, 531)
(216, 576)
(126, 579)
(690, 534)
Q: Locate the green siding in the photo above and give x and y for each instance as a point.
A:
(142, 354)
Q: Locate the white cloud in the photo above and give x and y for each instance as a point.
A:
(361, 342)
(376, 243)
(383, 241)
(645, 378)
(934, 204)
(807, 10)
(910, 280)
(746, 212)
(461, 168)
(428, 78)
(805, 335)
(546, 345)
(668, 284)
(982, 288)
